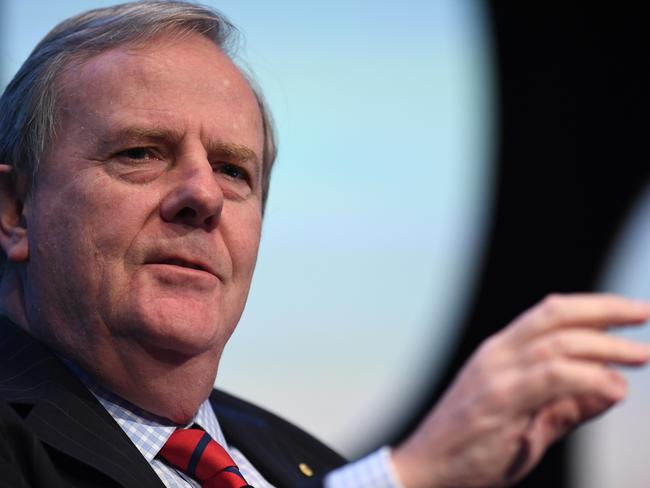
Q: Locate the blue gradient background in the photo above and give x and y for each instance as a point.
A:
(376, 216)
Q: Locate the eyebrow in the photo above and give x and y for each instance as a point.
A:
(237, 154)
(233, 152)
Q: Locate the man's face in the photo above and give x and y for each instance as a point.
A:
(144, 222)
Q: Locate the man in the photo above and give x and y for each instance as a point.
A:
(135, 163)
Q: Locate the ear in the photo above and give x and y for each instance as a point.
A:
(13, 226)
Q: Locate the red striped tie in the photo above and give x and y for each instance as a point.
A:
(194, 452)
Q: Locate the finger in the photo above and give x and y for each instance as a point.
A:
(580, 311)
(560, 417)
(585, 344)
(555, 379)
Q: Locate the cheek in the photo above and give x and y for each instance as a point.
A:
(243, 237)
(59, 227)
(82, 227)
(114, 228)
(64, 272)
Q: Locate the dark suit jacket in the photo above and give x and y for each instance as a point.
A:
(53, 432)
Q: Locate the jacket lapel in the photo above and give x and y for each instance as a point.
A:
(275, 447)
(63, 414)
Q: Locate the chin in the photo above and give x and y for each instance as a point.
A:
(182, 326)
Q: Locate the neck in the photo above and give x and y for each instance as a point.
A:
(163, 384)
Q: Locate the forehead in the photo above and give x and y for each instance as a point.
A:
(186, 83)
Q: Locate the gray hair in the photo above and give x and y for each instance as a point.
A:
(28, 107)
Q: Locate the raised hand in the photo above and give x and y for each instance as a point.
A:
(525, 387)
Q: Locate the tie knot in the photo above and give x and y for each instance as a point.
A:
(194, 452)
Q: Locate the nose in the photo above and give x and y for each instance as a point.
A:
(196, 199)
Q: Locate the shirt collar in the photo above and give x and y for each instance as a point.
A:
(147, 431)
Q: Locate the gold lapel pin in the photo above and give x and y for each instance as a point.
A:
(306, 470)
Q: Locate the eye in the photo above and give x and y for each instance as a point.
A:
(137, 153)
(232, 171)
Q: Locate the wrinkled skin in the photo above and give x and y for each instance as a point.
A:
(135, 253)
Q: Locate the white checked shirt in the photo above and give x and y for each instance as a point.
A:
(149, 434)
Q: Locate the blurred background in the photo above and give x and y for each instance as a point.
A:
(443, 165)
